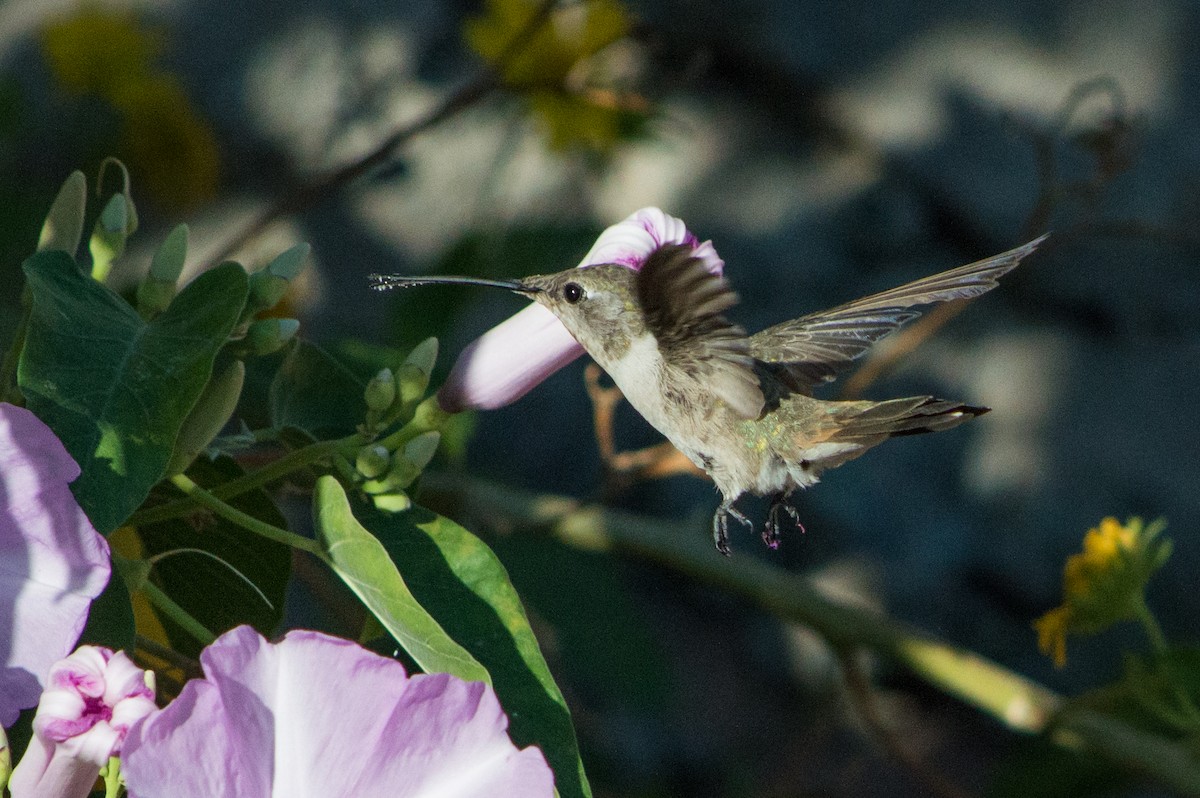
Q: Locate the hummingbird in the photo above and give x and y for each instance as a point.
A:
(739, 406)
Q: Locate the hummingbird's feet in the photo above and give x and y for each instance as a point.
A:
(771, 534)
(721, 526)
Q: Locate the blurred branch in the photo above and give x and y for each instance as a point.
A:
(862, 697)
(899, 346)
(1013, 700)
(653, 462)
(308, 194)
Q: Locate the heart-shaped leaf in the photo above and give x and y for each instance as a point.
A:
(114, 388)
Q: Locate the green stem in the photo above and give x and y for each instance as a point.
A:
(427, 417)
(8, 368)
(167, 606)
(1158, 641)
(1018, 702)
(292, 461)
(210, 502)
(1012, 699)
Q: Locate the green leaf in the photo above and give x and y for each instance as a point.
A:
(110, 620)
(601, 635)
(246, 585)
(114, 388)
(363, 564)
(316, 393)
(462, 583)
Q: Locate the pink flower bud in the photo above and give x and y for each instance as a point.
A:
(91, 700)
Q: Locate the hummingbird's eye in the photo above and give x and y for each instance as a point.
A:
(572, 292)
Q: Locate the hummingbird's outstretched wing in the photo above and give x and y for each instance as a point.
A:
(814, 348)
(683, 303)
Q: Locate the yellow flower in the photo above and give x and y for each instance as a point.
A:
(572, 33)
(1105, 583)
(167, 144)
(555, 67)
(1052, 634)
(96, 50)
(171, 150)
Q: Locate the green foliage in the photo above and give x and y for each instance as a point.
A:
(213, 568)
(110, 621)
(461, 582)
(363, 564)
(315, 393)
(115, 388)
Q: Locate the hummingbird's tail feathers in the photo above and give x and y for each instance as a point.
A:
(910, 416)
(851, 428)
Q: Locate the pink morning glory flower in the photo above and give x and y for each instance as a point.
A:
(52, 560)
(315, 715)
(515, 355)
(91, 699)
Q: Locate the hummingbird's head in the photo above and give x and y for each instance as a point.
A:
(597, 305)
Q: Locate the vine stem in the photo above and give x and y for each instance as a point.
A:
(1018, 702)
(292, 461)
(308, 194)
(1154, 632)
(167, 606)
(210, 502)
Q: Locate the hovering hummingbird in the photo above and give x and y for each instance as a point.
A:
(741, 406)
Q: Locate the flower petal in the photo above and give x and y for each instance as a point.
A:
(514, 356)
(323, 716)
(506, 362)
(52, 561)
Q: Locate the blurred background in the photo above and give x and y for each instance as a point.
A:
(828, 150)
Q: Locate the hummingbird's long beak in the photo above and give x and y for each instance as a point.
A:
(383, 282)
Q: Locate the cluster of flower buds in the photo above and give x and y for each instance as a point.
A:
(267, 288)
(387, 467)
(251, 337)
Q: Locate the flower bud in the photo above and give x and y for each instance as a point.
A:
(412, 382)
(396, 502)
(266, 290)
(154, 296)
(424, 355)
(117, 221)
(92, 699)
(63, 227)
(372, 461)
(289, 263)
(420, 450)
(167, 263)
(399, 476)
(212, 411)
(270, 335)
(380, 392)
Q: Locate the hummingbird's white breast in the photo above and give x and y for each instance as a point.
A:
(638, 373)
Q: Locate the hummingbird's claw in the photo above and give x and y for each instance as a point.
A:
(721, 526)
(771, 534)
